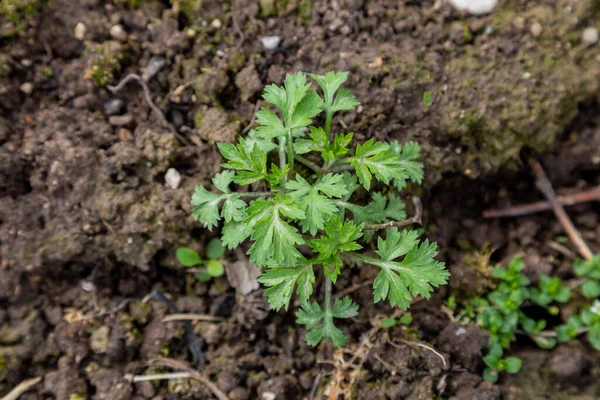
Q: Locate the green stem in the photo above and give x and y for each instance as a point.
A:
(328, 116)
(343, 167)
(328, 296)
(282, 159)
(252, 195)
(290, 154)
(308, 163)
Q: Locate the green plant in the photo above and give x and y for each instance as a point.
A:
(307, 216)
(214, 252)
(500, 312)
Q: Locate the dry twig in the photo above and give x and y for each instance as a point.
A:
(157, 377)
(22, 388)
(176, 364)
(191, 317)
(249, 126)
(566, 200)
(544, 185)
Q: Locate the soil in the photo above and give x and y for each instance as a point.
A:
(88, 227)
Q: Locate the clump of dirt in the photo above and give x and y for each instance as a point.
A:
(88, 226)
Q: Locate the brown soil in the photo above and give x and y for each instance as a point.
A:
(88, 228)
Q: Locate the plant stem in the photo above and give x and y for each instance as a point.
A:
(290, 154)
(255, 194)
(327, 295)
(343, 167)
(308, 163)
(328, 116)
(282, 159)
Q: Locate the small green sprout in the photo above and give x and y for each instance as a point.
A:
(214, 252)
(427, 99)
(309, 206)
(495, 364)
(405, 319)
(549, 290)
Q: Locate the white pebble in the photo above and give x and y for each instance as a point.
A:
(527, 75)
(27, 88)
(117, 32)
(80, 31)
(271, 42)
(475, 7)
(536, 29)
(589, 36)
(269, 396)
(173, 178)
(216, 23)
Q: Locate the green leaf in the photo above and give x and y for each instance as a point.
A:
(344, 308)
(378, 159)
(327, 330)
(490, 375)
(339, 237)
(188, 257)
(319, 142)
(274, 239)
(270, 125)
(406, 319)
(277, 175)
(593, 336)
(215, 268)
(308, 108)
(545, 343)
(397, 244)
(413, 170)
(316, 206)
(513, 365)
(203, 276)
(265, 145)
(250, 164)
(233, 234)
(206, 207)
(281, 281)
(381, 209)
(215, 249)
(388, 323)
(415, 275)
(590, 288)
(590, 268)
(330, 83)
(344, 100)
(427, 99)
(310, 314)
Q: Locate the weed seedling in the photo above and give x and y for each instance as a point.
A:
(214, 268)
(304, 220)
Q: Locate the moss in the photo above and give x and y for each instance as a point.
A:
(191, 8)
(106, 61)
(3, 368)
(16, 16)
(305, 11)
(77, 396)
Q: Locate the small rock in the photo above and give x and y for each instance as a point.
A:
(120, 120)
(117, 32)
(526, 75)
(270, 42)
(335, 24)
(26, 88)
(344, 30)
(26, 62)
(99, 339)
(173, 178)
(113, 106)
(80, 31)
(536, 29)
(154, 66)
(124, 134)
(475, 7)
(216, 23)
(589, 36)
(220, 53)
(489, 30)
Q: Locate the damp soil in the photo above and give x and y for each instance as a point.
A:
(89, 229)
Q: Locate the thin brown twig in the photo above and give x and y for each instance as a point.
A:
(157, 377)
(352, 289)
(420, 345)
(176, 364)
(249, 126)
(191, 317)
(22, 388)
(538, 206)
(236, 28)
(544, 185)
(416, 219)
(315, 386)
(148, 96)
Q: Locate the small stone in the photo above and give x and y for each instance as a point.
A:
(344, 30)
(220, 53)
(335, 24)
(536, 29)
(117, 32)
(268, 396)
(26, 62)
(26, 88)
(99, 339)
(216, 23)
(80, 31)
(124, 134)
(270, 42)
(120, 120)
(526, 75)
(173, 178)
(589, 36)
(155, 64)
(489, 30)
(475, 7)
(113, 106)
